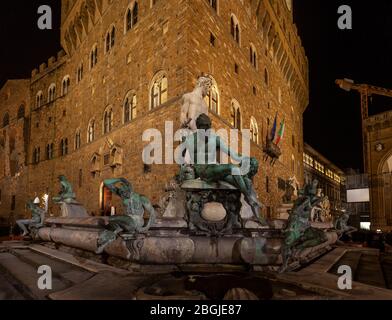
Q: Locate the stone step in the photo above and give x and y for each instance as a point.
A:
(387, 268)
(103, 286)
(8, 290)
(64, 270)
(351, 259)
(327, 262)
(326, 284)
(85, 264)
(27, 276)
(369, 271)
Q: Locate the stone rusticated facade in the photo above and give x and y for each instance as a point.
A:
(14, 106)
(172, 36)
(379, 139)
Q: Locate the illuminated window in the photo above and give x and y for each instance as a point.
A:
(319, 167)
(38, 99)
(308, 160)
(64, 147)
(254, 130)
(213, 4)
(132, 17)
(280, 95)
(130, 107)
(49, 151)
(235, 28)
(158, 91)
(36, 155)
(51, 92)
(293, 163)
(212, 98)
(107, 120)
(91, 131)
(110, 39)
(235, 115)
(329, 173)
(77, 140)
(289, 4)
(65, 85)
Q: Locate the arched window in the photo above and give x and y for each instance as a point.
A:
(235, 115)
(235, 28)
(279, 95)
(91, 131)
(213, 4)
(49, 151)
(36, 155)
(387, 166)
(254, 130)
(131, 17)
(289, 4)
(64, 147)
(21, 111)
(6, 120)
(253, 56)
(110, 39)
(266, 77)
(130, 107)
(65, 85)
(78, 140)
(79, 73)
(212, 98)
(158, 91)
(38, 99)
(93, 56)
(51, 92)
(293, 163)
(107, 120)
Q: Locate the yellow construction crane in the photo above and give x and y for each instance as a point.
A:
(366, 91)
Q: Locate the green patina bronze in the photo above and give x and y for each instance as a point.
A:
(66, 193)
(203, 146)
(299, 234)
(132, 221)
(341, 225)
(37, 218)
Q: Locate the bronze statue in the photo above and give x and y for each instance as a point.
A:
(291, 192)
(299, 234)
(36, 221)
(66, 193)
(132, 221)
(203, 146)
(341, 225)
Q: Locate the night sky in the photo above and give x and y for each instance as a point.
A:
(332, 122)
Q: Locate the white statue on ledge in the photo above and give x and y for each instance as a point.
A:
(193, 103)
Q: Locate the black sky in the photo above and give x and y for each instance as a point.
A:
(332, 122)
